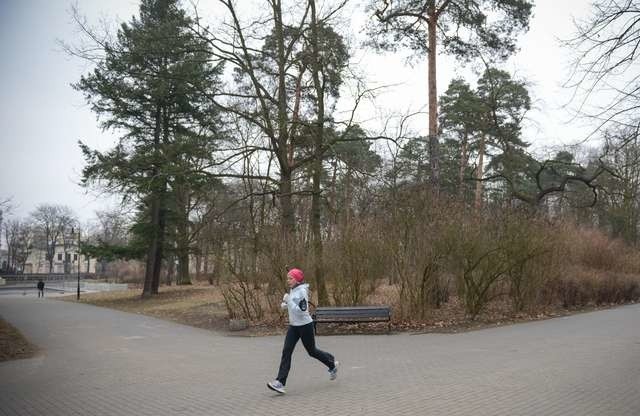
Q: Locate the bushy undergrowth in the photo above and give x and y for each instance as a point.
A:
(430, 252)
(354, 263)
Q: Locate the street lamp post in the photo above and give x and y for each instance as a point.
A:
(78, 254)
(78, 296)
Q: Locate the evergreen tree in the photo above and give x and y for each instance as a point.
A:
(505, 102)
(460, 115)
(153, 86)
(465, 29)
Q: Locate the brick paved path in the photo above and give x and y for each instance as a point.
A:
(101, 362)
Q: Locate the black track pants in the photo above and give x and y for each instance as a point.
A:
(294, 333)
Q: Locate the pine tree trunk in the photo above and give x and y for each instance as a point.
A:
(434, 145)
(288, 218)
(479, 174)
(295, 117)
(463, 165)
(316, 207)
(154, 211)
(162, 223)
(157, 212)
(286, 206)
(152, 250)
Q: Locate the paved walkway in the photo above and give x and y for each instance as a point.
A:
(102, 362)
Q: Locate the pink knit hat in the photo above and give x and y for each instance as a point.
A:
(297, 275)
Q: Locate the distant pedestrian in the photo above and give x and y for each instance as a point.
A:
(40, 288)
(300, 327)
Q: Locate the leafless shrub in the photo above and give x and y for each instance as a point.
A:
(355, 262)
(597, 288)
(241, 300)
(419, 239)
(479, 260)
(574, 292)
(613, 288)
(531, 248)
(120, 271)
(596, 250)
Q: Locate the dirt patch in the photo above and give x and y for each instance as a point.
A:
(13, 345)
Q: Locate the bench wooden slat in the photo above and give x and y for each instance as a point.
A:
(353, 312)
(343, 317)
(348, 315)
(343, 314)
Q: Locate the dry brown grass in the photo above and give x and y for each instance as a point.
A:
(13, 345)
(200, 305)
(593, 249)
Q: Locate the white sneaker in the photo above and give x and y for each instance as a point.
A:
(333, 373)
(275, 385)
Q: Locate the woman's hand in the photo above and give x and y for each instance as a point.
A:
(285, 298)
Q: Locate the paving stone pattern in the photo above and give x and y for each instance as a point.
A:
(96, 361)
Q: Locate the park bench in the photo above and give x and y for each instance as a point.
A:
(351, 314)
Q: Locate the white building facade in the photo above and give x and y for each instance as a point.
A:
(65, 260)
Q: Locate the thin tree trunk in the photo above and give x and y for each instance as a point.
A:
(205, 267)
(182, 236)
(334, 223)
(463, 164)
(288, 218)
(346, 218)
(198, 258)
(295, 116)
(323, 297)
(288, 215)
(170, 266)
(479, 174)
(434, 145)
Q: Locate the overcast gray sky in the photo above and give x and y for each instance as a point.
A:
(42, 117)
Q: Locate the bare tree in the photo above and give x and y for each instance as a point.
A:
(288, 65)
(18, 235)
(112, 226)
(262, 97)
(51, 221)
(605, 50)
(5, 207)
(620, 207)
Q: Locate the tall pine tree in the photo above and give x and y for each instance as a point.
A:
(153, 87)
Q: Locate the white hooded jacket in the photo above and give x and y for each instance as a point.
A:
(297, 303)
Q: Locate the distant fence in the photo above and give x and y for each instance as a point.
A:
(103, 287)
(59, 282)
(46, 277)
